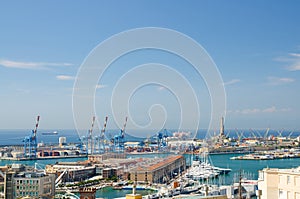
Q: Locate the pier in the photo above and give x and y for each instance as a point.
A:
(270, 155)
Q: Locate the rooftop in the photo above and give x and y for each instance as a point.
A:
(29, 175)
(159, 164)
(295, 171)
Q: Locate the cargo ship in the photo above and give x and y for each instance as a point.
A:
(50, 133)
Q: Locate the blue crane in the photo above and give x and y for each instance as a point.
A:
(87, 140)
(90, 140)
(118, 140)
(30, 142)
(101, 138)
(161, 139)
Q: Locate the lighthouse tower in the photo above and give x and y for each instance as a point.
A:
(222, 127)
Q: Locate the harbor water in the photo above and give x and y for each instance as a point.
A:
(249, 168)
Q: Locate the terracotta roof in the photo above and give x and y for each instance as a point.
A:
(160, 164)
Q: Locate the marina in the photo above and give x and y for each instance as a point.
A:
(250, 170)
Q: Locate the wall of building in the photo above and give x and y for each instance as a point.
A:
(33, 186)
(160, 172)
(279, 183)
(289, 185)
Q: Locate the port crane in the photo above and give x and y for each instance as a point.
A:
(164, 138)
(100, 140)
(240, 136)
(266, 134)
(161, 139)
(291, 133)
(90, 141)
(87, 140)
(118, 140)
(253, 133)
(280, 133)
(30, 142)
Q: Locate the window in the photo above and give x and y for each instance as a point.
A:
(297, 180)
(282, 194)
(261, 175)
(289, 195)
(288, 179)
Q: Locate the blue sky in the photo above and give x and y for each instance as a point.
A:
(255, 45)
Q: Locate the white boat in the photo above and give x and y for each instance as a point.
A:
(202, 169)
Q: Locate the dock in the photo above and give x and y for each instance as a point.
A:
(270, 155)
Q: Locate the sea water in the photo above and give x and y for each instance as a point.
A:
(248, 168)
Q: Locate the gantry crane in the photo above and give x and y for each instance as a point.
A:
(30, 142)
(90, 140)
(101, 139)
(118, 140)
(161, 139)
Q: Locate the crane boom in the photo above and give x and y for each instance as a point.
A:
(91, 129)
(266, 133)
(102, 134)
(90, 136)
(36, 125)
(104, 125)
(124, 126)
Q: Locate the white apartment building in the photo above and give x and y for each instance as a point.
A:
(274, 183)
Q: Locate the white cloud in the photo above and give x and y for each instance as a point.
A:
(23, 91)
(99, 86)
(233, 81)
(271, 109)
(295, 66)
(29, 65)
(280, 80)
(295, 54)
(293, 60)
(249, 111)
(65, 77)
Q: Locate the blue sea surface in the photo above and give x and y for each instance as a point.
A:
(15, 137)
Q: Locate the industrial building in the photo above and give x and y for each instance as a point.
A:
(158, 171)
(279, 183)
(72, 171)
(110, 172)
(112, 164)
(98, 158)
(21, 181)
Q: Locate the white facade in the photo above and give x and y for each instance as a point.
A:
(279, 183)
